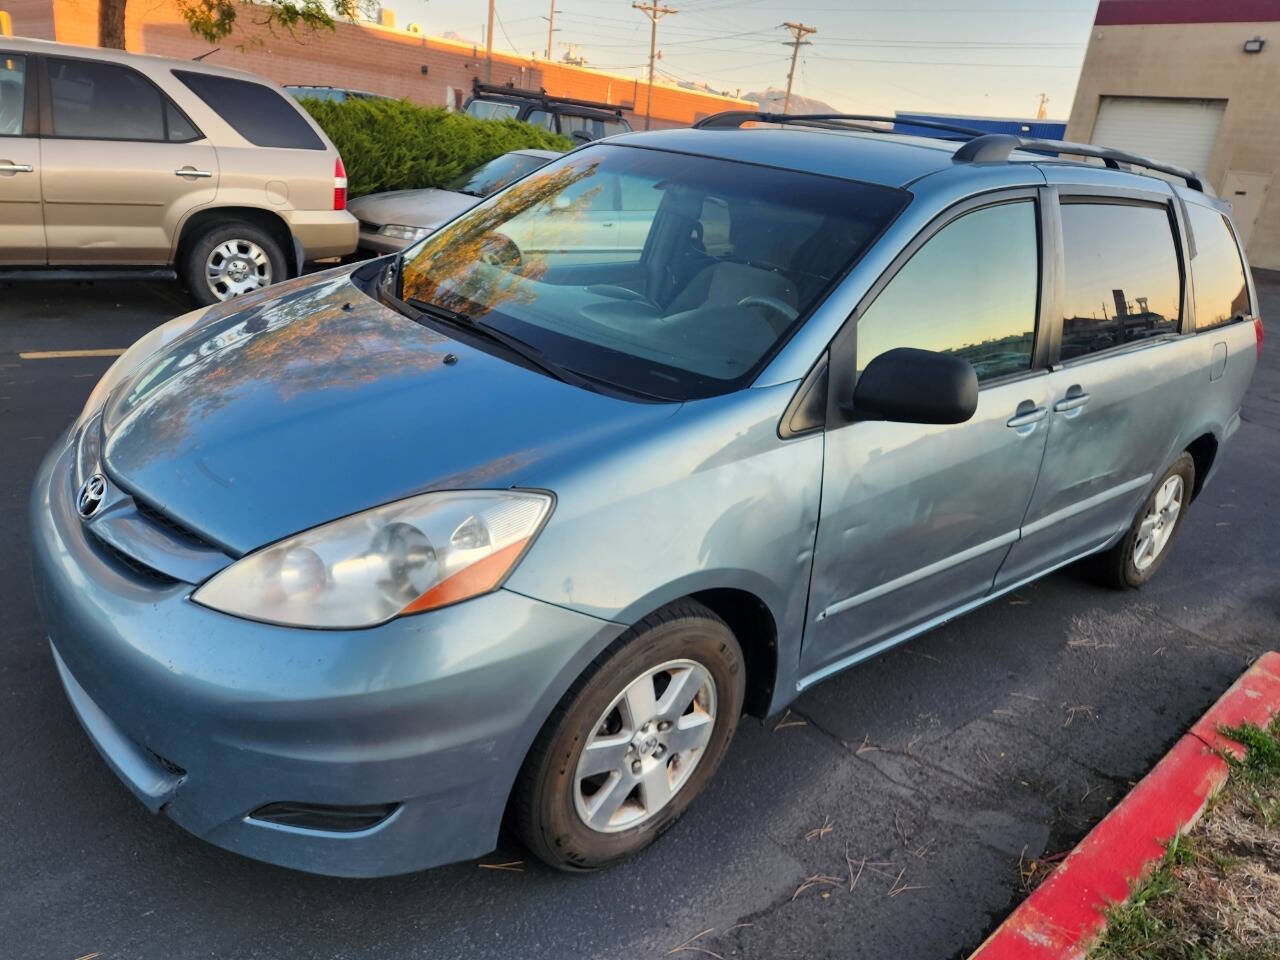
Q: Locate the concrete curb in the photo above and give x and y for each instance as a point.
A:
(1066, 913)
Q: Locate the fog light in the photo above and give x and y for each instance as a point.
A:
(317, 816)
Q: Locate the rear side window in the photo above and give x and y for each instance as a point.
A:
(93, 100)
(492, 110)
(1122, 279)
(253, 110)
(970, 292)
(1221, 294)
(13, 93)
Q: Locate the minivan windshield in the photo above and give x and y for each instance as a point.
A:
(496, 174)
(661, 274)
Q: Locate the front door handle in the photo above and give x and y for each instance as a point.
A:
(7, 167)
(1027, 414)
(192, 172)
(1072, 401)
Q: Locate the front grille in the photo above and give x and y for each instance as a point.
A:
(132, 564)
(167, 523)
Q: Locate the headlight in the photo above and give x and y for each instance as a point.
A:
(401, 231)
(406, 557)
(132, 358)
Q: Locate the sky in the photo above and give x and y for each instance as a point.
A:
(982, 57)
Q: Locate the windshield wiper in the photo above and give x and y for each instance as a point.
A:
(519, 347)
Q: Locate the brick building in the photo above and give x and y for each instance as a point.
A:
(364, 56)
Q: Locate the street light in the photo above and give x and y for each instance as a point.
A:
(1255, 45)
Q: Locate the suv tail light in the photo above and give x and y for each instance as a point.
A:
(339, 185)
(1257, 329)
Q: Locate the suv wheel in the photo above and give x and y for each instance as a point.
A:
(633, 741)
(230, 259)
(1136, 558)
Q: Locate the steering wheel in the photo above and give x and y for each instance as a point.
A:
(499, 250)
(787, 311)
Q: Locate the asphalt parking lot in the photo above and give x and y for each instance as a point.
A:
(932, 776)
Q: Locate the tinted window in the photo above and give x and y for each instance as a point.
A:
(592, 126)
(1122, 281)
(541, 262)
(253, 110)
(104, 101)
(540, 118)
(491, 110)
(970, 291)
(13, 89)
(1216, 271)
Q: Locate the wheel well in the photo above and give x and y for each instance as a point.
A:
(1203, 449)
(264, 220)
(752, 623)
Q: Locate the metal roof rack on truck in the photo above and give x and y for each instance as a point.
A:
(996, 147)
(540, 95)
(731, 119)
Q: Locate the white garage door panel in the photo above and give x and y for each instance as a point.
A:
(1180, 132)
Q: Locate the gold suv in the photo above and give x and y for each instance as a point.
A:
(111, 160)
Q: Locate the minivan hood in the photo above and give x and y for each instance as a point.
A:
(320, 402)
(414, 208)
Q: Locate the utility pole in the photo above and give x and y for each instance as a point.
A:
(655, 13)
(551, 26)
(799, 31)
(1043, 110)
(488, 47)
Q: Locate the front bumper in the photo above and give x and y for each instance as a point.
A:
(381, 244)
(207, 717)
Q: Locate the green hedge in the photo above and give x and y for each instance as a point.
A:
(396, 145)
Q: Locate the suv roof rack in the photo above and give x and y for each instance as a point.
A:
(731, 119)
(996, 147)
(540, 95)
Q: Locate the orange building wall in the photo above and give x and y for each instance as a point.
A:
(359, 56)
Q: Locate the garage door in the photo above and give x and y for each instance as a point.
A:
(1181, 132)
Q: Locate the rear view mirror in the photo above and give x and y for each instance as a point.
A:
(906, 385)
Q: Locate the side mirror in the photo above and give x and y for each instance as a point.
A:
(906, 385)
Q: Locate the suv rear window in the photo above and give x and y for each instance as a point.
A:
(253, 110)
(1221, 293)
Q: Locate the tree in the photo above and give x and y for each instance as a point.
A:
(214, 19)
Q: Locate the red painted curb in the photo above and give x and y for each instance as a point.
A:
(1060, 919)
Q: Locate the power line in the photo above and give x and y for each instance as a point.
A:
(798, 31)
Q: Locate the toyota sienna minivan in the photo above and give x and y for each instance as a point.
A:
(343, 573)
(115, 163)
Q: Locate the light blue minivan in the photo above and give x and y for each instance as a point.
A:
(340, 574)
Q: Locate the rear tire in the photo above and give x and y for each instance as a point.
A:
(228, 259)
(1141, 551)
(652, 760)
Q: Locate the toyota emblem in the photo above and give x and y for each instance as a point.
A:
(91, 494)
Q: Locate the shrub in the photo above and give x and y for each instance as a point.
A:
(397, 145)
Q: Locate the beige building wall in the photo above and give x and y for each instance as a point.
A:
(1198, 61)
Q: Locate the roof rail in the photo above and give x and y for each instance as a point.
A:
(996, 147)
(731, 119)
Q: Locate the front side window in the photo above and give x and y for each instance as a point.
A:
(93, 100)
(1121, 276)
(13, 94)
(492, 110)
(1221, 293)
(650, 307)
(970, 291)
(253, 110)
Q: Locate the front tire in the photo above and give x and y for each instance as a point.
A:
(1141, 551)
(633, 742)
(229, 259)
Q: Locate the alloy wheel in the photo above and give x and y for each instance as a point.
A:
(1157, 526)
(645, 746)
(237, 267)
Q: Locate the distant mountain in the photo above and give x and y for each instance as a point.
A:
(771, 101)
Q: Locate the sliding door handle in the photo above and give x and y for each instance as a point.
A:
(1072, 401)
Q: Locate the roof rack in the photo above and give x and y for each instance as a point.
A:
(996, 147)
(511, 90)
(732, 119)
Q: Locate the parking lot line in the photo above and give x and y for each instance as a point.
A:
(64, 354)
